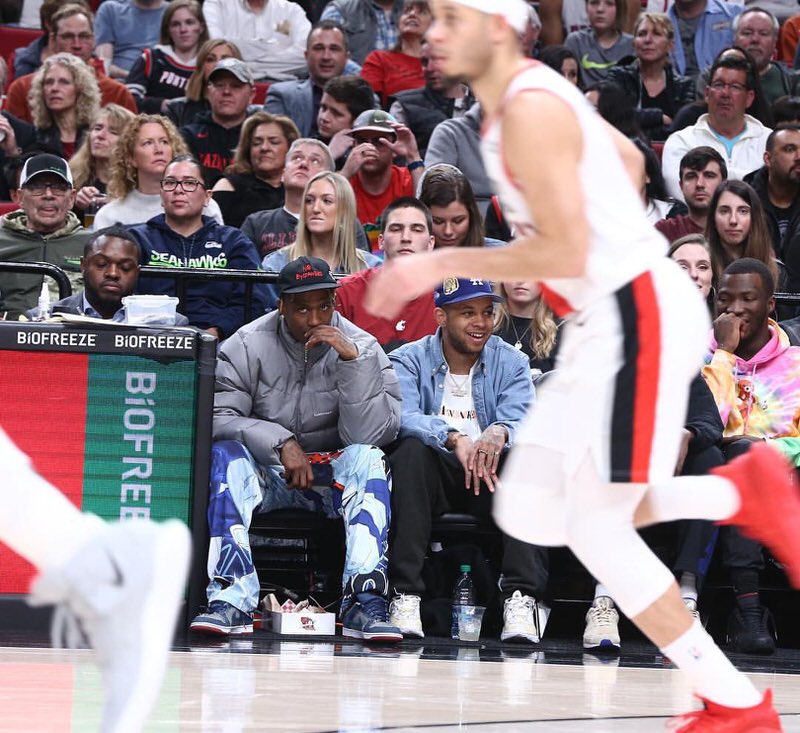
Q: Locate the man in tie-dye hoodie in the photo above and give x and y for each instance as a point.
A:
(754, 374)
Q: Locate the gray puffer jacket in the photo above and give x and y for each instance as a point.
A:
(267, 393)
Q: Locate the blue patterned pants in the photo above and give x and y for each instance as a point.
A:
(358, 491)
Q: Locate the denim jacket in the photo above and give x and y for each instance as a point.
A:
(714, 32)
(501, 388)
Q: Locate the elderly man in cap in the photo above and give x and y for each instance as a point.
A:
(44, 230)
(304, 400)
(465, 393)
(377, 139)
(214, 135)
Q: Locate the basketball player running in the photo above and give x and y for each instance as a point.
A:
(122, 582)
(635, 334)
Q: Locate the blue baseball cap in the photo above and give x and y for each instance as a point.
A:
(456, 290)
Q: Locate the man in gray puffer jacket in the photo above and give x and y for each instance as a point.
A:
(303, 401)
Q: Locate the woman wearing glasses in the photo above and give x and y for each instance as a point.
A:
(142, 152)
(184, 237)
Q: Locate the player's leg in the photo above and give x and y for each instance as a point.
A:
(123, 581)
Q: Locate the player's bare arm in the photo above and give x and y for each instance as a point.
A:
(547, 143)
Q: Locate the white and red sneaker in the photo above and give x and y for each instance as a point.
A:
(720, 719)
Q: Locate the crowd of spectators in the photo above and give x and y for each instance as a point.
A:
(307, 139)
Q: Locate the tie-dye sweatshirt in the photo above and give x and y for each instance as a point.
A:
(760, 396)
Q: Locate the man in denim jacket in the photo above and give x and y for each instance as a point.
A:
(464, 395)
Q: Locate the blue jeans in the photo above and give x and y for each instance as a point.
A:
(358, 491)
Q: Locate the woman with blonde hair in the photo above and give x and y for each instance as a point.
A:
(162, 72)
(656, 89)
(64, 100)
(144, 149)
(253, 182)
(91, 164)
(326, 228)
(182, 110)
(524, 321)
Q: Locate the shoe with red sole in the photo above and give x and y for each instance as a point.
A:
(770, 504)
(719, 719)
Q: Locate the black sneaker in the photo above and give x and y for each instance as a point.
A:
(751, 630)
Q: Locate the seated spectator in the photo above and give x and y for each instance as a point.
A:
(786, 110)
(344, 99)
(561, 17)
(181, 111)
(376, 181)
(756, 31)
(26, 60)
(523, 320)
(304, 401)
(657, 202)
(253, 181)
(326, 57)
(390, 72)
(777, 184)
(326, 228)
(124, 28)
(458, 142)
(91, 164)
(561, 59)
(737, 136)
(161, 72)
(615, 107)
(603, 43)
(143, 150)
(270, 33)
(753, 373)
(457, 222)
(406, 229)
(787, 41)
(15, 134)
(183, 237)
(64, 101)
(45, 229)
(276, 228)
(738, 228)
(702, 169)
(110, 270)
(703, 29)
(369, 26)
(442, 98)
(465, 393)
(529, 38)
(657, 91)
(73, 34)
(214, 135)
(692, 254)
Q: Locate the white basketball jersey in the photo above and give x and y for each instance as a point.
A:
(623, 243)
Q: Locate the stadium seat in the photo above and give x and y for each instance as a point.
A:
(260, 96)
(12, 38)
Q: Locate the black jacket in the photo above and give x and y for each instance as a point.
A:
(702, 416)
(680, 91)
(424, 109)
(212, 144)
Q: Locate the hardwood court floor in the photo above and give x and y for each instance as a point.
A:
(262, 684)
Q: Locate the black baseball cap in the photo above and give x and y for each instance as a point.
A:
(45, 163)
(304, 274)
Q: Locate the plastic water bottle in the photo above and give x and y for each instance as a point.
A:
(463, 595)
(43, 306)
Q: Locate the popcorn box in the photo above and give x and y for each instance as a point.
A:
(300, 618)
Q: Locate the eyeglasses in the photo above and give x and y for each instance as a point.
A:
(187, 184)
(719, 86)
(72, 37)
(38, 189)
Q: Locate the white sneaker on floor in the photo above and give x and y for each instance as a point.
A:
(520, 619)
(123, 589)
(404, 614)
(602, 625)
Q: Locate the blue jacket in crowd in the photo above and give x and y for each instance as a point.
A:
(213, 247)
(714, 32)
(501, 388)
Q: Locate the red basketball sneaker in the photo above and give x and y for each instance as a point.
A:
(718, 719)
(770, 504)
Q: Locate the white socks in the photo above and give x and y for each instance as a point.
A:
(711, 673)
